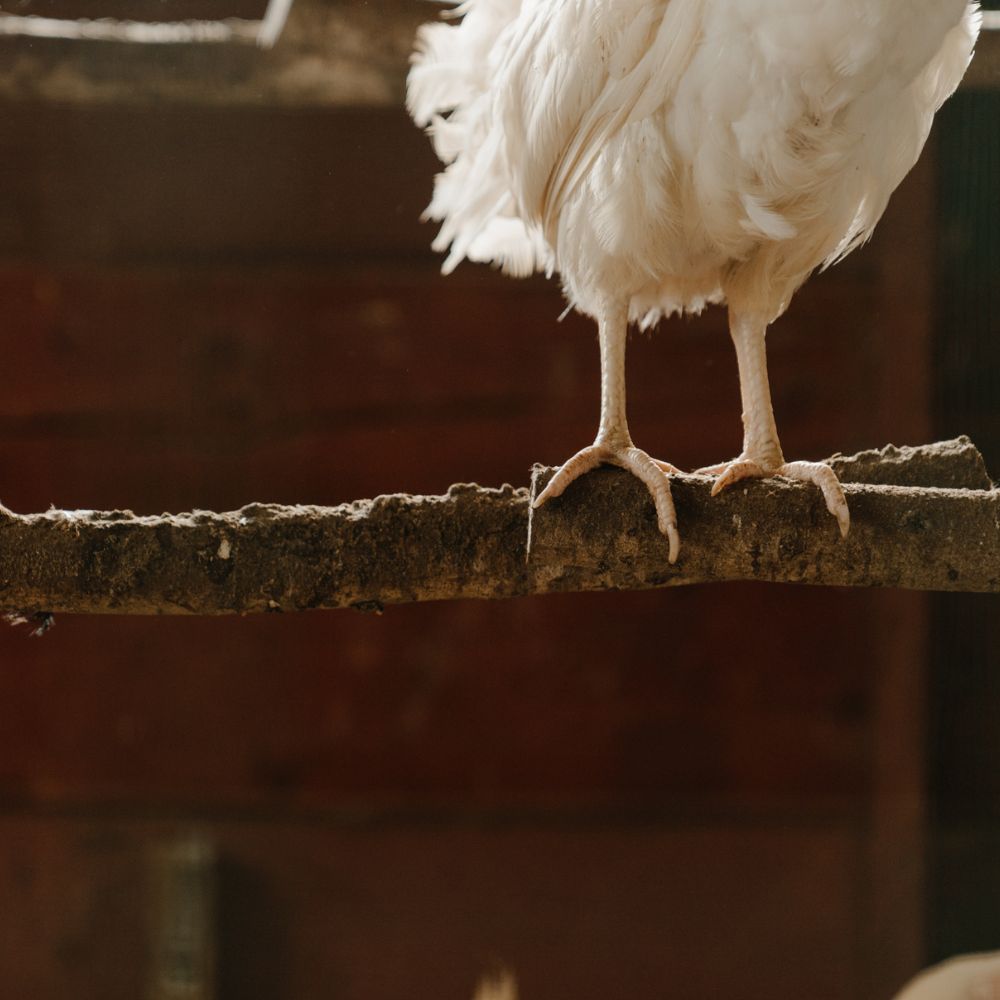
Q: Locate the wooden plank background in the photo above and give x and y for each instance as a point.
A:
(696, 793)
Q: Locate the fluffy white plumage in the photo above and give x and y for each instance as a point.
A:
(665, 154)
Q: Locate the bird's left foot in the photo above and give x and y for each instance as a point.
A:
(651, 471)
(818, 473)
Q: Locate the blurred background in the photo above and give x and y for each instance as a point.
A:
(215, 290)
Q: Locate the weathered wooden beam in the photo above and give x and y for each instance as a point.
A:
(330, 53)
(922, 518)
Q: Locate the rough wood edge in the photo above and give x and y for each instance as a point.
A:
(922, 518)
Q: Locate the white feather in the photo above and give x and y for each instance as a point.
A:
(678, 152)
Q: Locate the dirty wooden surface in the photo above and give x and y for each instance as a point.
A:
(922, 518)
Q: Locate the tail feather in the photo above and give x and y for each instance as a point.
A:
(449, 92)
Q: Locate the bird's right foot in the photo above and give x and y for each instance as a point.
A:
(654, 473)
(818, 473)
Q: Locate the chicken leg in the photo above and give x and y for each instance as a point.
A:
(761, 456)
(613, 444)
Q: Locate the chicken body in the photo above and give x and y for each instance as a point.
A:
(665, 154)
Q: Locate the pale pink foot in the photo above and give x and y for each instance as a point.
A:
(818, 473)
(651, 471)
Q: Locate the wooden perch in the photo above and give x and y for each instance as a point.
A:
(923, 518)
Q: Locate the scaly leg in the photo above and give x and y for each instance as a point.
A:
(613, 443)
(761, 456)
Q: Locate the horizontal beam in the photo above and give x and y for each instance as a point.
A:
(924, 518)
(330, 53)
(229, 30)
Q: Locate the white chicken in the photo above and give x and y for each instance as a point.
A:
(665, 154)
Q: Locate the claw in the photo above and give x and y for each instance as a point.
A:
(734, 472)
(821, 475)
(667, 467)
(653, 474)
(583, 461)
(711, 470)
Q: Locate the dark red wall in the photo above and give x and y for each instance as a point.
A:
(691, 793)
